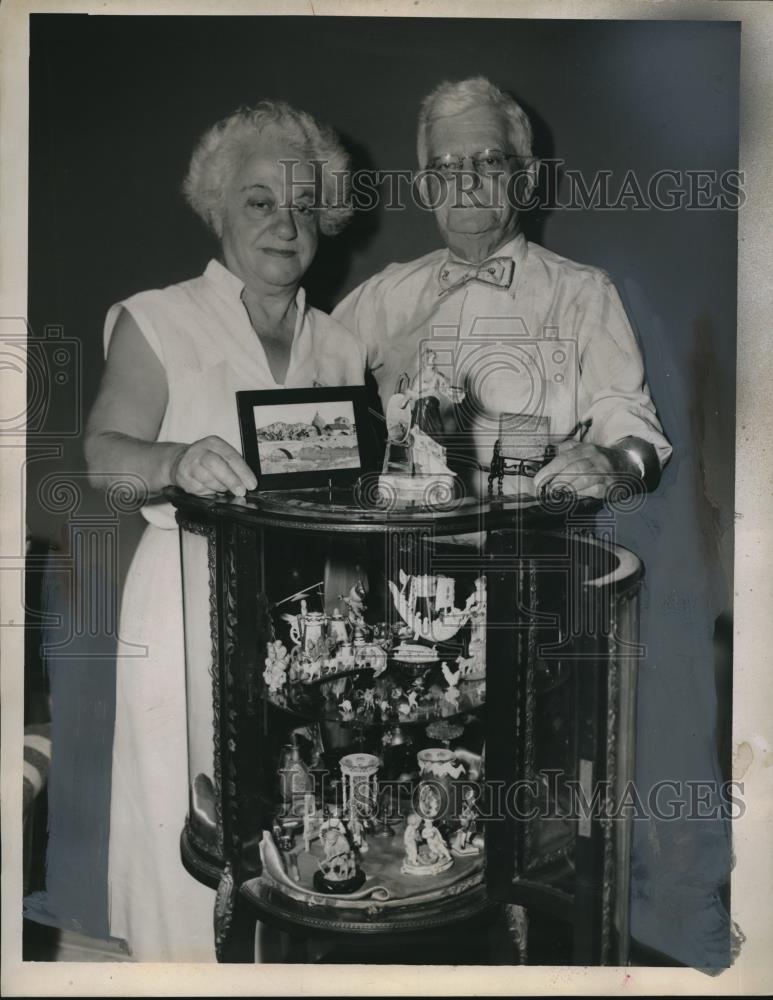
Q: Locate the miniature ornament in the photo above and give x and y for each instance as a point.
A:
(276, 662)
(451, 694)
(462, 841)
(338, 871)
(426, 604)
(426, 852)
(415, 466)
(355, 603)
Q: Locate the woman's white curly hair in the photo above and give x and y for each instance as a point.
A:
(220, 150)
(451, 98)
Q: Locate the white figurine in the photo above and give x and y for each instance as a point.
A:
(411, 839)
(462, 840)
(355, 603)
(276, 663)
(451, 694)
(434, 840)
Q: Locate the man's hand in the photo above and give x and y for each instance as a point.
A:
(587, 469)
(211, 465)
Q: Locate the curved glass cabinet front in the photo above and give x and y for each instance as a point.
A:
(341, 750)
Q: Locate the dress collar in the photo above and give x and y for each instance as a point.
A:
(232, 287)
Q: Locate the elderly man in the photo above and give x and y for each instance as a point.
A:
(538, 343)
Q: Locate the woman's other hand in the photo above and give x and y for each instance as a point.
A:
(211, 465)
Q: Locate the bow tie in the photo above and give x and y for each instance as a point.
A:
(495, 271)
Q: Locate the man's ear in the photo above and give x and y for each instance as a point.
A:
(528, 178)
(533, 169)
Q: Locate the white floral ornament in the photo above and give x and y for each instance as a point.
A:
(276, 662)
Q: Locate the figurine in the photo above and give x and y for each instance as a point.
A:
(425, 850)
(345, 708)
(337, 628)
(428, 386)
(276, 662)
(451, 694)
(415, 459)
(310, 669)
(462, 840)
(338, 871)
(410, 705)
(355, 604)
(357, 833)
(434, 840)
(368, 699)
(411, 840)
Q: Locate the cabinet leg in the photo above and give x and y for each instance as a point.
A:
(234, 922)
(518, 925)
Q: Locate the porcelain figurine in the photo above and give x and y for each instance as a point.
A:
(426, 852)
(451, 694)
(276, 662)
(355, 603)
(415, 459)
(338, 871)
(462, 842)
(411, 839)
(434, 840)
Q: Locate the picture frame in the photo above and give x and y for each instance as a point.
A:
(307, 437)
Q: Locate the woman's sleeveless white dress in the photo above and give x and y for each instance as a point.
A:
(201, 332)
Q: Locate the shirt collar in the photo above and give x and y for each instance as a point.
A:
(232, 287)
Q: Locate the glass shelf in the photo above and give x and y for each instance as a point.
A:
(401, 695)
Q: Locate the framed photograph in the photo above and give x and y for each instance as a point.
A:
(299, 438)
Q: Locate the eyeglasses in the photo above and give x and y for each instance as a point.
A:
(486, 163)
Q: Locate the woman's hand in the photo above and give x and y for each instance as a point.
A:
(211, 465)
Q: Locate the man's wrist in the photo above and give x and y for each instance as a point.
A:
(638, 458)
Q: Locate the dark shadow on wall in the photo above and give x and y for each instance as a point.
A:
(332, 264)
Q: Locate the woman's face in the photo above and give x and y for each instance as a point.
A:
(270, 227)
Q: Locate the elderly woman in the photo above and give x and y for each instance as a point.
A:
(166, 413)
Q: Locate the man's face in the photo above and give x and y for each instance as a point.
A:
(475, 217)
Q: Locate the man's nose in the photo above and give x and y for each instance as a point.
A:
(467, 181)
(284, 224)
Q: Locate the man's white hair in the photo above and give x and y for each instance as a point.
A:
(475, 92)
(222, 148)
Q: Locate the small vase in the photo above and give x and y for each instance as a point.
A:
(439, 770)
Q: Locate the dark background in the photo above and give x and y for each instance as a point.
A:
(116, 106)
